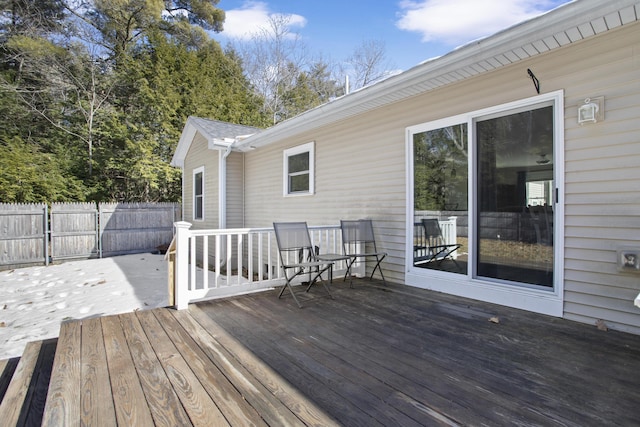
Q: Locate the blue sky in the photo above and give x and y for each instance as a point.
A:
(412, 30)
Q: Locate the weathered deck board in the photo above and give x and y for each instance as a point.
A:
(236, 412)
(63, 399)
(200, 407)
(96, 400)
(35, 399)
(267, 405)
(398, 355)
(7, 368)
(161, 397)
(162, 367)
(309, 413)
(128, 397)
(304, 354)
(11, 406)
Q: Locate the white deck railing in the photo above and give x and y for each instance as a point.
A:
(449, 236)
(224, 262)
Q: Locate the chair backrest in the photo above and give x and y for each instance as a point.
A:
(354, 232)
(293, 240)
(432, 231)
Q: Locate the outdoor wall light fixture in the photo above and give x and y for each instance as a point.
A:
(590, 111)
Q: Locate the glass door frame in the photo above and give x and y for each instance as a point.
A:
(547, 301)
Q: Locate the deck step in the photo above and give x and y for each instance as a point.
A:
(24, 382)
(7, 368)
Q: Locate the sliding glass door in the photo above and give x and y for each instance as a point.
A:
(484, 184)
(515, 193)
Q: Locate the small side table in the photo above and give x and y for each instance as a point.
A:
(332, 258)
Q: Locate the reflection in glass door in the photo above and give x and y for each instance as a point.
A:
(440, 211)
(515, 189)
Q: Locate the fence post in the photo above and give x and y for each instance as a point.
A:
(45, 225)
(182, 265)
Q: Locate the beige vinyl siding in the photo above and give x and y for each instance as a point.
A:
(235, 190)
(361, 166)
(350, 183)
(199, 155)
(602, 181)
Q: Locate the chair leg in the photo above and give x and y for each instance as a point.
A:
(347, 273)
(321, 280)
(288, 285)
(326, 288)
(379, 269)
(317, 276)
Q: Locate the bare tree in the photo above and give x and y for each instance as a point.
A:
(272, 61)
(57, 74)
(58, 84)
(368, 63)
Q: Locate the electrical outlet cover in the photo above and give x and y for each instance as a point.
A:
(629, 260)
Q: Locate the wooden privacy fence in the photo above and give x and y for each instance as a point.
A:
(74, 230)
(23, 234)
(136, 227)
(30, 233)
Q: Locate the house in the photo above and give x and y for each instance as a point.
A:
(527, 141)
(215, 183)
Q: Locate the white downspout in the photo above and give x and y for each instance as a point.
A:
(222, 193)
(222, 179)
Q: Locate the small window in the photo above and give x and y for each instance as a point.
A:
(198, 193)
(299, 170)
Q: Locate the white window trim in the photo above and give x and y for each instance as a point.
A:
(310, 148)
(535, 300)
(193, 193)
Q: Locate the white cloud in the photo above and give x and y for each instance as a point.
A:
(253, 17)
(459, 21)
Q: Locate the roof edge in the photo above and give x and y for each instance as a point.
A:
(214, 142)
(425, 77)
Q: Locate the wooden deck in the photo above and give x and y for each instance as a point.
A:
(373, 355)
(396, 355)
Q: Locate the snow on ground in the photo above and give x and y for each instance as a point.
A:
(35, 300)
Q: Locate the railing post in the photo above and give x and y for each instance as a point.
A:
(454, 234)
(181, 291)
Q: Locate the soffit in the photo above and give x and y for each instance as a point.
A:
(212, 130)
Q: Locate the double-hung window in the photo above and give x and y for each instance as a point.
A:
(198, 193)
(299, 170)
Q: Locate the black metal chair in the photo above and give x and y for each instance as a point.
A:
(298, 256)
(356, 236)
(437, 249)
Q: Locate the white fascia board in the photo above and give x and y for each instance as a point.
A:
(186, 138)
